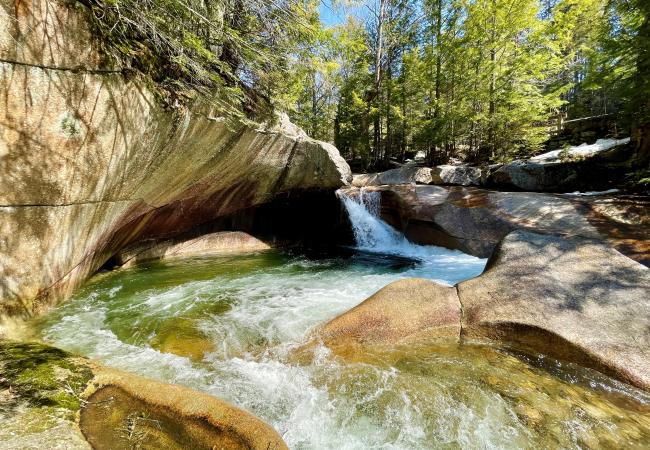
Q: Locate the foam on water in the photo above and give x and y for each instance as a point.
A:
(373, 234)
(257, 310)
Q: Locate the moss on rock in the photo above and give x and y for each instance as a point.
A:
(42, 376)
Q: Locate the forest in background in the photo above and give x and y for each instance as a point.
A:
(477, 80)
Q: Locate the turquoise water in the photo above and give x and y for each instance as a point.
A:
(233, 326)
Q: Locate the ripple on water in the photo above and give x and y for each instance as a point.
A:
(254, 311)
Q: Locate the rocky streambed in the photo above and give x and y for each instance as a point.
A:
(443, 355)
(151, 282)
(246, 329)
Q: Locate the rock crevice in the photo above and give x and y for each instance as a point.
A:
(77, 69)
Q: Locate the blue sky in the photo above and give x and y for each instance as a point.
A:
(330, 16)
(335, 16)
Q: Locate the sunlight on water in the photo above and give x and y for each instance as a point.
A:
(374, 235)
(236, 327)
(230, 327)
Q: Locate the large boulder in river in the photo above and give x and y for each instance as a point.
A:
(79, 404)
(211, 244)
(585, 167)
(572, 298)
(404, 311)
(401, 175)
(459, 174)
(575, 299)
(91, 162)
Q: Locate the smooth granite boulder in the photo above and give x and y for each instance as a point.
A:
(401, 175)
(572, 298)
(406, 310)
(575, 299)
(598, 166)
(50, 398)
(212, 244)
(460, 175)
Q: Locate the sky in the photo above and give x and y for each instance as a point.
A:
(332, 16)
(328, 15)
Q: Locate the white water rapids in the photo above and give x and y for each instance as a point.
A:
(372, 234)
(256, 310)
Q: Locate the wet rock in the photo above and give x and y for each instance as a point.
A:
(128, 411)
(44, 391)
(475, 220)
(573, 298)
(41, 376)
(40, 395)
(404, 311)
(91, 163)
(213, 244)
(182, 337)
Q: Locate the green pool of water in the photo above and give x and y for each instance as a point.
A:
(233, 327)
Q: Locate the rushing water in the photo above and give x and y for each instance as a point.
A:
(235, 327)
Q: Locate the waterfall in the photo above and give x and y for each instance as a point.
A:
(371, 233)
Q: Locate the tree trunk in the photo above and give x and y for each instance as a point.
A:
(493, 58)
(641, 124)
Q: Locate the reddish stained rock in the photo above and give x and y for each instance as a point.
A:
(475, 220)
(91, 163)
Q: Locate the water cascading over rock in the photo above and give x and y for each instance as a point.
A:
(371, 233)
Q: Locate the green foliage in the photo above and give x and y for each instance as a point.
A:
(480, 80)
(230, 50)
(639, 179)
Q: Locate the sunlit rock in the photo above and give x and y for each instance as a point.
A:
(475, 220)
(91, 162)
(585, 167)
(458, 174)
(212, 244)
(406, 310)
(401, 175)
(573, 298)
(49, 397)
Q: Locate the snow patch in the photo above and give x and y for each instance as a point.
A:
(581, 151)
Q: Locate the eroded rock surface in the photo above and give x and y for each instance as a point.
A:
(572, 298)
(406, 310)
(475, 220)
(90, 162)
(218, 243)
(44, 391)
(127, 411)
